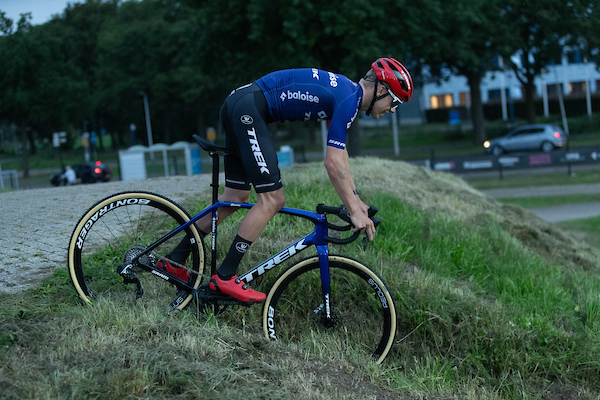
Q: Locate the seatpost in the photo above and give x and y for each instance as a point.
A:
(215, 213)
(215, 177)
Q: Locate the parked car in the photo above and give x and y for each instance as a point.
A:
(89, 172)
(544, 137)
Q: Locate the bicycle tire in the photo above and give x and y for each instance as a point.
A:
(362, 304)
(115, 230)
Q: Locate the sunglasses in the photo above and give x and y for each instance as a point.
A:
(395, 100)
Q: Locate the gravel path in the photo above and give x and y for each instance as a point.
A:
(566, 212)
(37, 224)
(542, 191)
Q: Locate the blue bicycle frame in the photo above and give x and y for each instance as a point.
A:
(318, 238)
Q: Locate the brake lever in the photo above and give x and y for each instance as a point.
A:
(376, 222)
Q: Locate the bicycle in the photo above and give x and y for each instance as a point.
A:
(118, 242)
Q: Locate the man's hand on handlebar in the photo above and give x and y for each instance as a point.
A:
(363, 207)
(363, 224)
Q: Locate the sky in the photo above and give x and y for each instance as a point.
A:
(41, 10)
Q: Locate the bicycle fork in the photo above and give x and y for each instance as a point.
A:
(325, 308)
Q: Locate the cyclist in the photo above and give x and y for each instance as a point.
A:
(297, 94)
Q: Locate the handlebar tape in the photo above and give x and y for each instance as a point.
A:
(342, 212)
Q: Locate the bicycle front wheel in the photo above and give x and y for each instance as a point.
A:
(362, 308)
(116, 230)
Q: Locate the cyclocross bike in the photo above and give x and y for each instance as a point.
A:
(115, 248)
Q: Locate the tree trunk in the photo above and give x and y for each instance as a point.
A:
(201, 128)
(115, 139)
(530, 99)
(529, 89)
(31, 139)
(479, 135)
(99, 129)
(24, 154)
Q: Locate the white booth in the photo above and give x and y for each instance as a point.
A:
(136, 160)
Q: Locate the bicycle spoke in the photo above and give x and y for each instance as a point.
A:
(358, 319)
(116, 231)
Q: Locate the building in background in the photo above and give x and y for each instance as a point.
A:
(500, 90)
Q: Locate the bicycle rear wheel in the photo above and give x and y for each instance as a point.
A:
(117, 229)
(364, 314)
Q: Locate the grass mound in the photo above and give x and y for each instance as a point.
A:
(492, 303)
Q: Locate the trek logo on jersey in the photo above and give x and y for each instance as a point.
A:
(246, 119)
(315, 73)
(258, 155)
(299, 96)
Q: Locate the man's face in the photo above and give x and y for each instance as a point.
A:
(382, 106)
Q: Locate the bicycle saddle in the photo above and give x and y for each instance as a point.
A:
(211, 148)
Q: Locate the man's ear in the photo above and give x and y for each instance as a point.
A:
(381, 89)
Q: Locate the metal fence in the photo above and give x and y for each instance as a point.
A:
(9, 179)
(566, 158)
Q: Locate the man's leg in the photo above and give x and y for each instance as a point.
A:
(261, 213)
(251, 227)
(229, 194)
(180, 253)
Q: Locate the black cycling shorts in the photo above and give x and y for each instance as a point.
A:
(244, 116)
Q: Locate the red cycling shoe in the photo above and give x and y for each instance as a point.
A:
(181, 273)
(235, 288)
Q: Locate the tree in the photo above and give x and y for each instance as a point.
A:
(588, 15)
(78, 28)
(6, 24)
(154, 47)
(539, 36)
(40, 89)
(187, 55)
(457, 37)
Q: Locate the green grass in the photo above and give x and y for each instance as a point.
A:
(534, 180)
(492, 304)
(550, 201)
(588, 229)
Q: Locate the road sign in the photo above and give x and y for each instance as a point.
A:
(58, 138)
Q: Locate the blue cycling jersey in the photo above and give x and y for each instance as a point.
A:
(313, 94)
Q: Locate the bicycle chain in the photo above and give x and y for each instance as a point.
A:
(178, 265)
(152, 259)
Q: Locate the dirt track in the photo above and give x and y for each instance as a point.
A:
(37, 224)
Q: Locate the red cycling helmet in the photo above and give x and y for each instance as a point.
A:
(396, 75)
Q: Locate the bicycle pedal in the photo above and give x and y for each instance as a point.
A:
(209, 296)
(224, 300)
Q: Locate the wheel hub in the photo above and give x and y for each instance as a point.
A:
(328, 322)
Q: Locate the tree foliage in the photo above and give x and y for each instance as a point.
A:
(85, 68)
(538, 36)
(458, 37)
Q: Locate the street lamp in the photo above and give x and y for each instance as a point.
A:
(148, 126)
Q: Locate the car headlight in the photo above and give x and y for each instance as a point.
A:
(486, 144)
